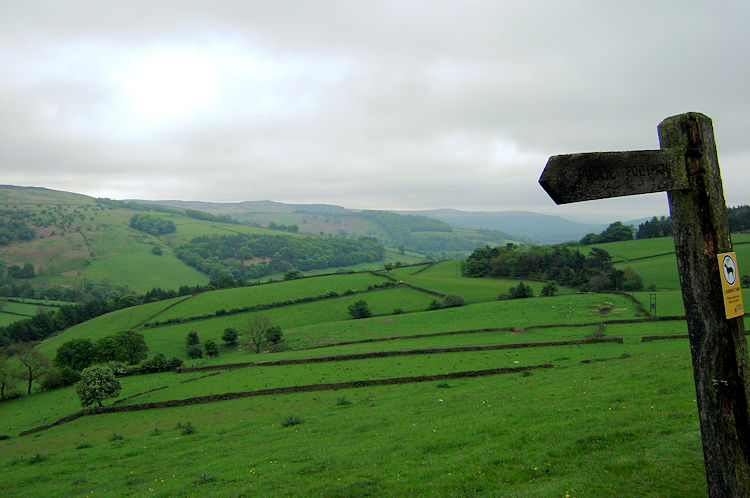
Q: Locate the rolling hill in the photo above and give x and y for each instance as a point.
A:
(527, 397)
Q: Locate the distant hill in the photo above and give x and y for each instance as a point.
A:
(424, 234)
(543, 228)
(51, 239)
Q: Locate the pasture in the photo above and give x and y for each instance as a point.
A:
(601, 419)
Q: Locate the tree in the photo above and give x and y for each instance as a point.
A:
(76, 354)
(293, 275)
(106, 349)
(360, 309)
(194, 352)
(97, 383)
(33, 365)
(549, 289)
(230, 336)
(520, 291)
(132, 346)
(192, 338)
(273, 334)
(211, 348)
(127, 346)
(257, 327)
(631, 281)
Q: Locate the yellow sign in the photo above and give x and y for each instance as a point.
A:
(730, 285)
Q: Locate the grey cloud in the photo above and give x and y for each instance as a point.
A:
(391, 104)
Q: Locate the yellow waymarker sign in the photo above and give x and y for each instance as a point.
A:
(730, 285)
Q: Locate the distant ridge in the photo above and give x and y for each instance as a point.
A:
(544, 228)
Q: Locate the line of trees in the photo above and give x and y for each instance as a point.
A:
(655, 227)
(152, 224)
(251, 256)
(739, 221)
(561, 264)
(613, 233)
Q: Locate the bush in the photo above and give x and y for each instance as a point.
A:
(69, 376)
(212, 350)
(434, 305)
(453, 300)
(192, 338)
(291, 420)
(273, 334)
(230, 337)
(187, 429)
(59, 378)
(52, 380)
(360, 309)
(518, 292)
(549, 289)
(194, 352)
(118, 368)
(159, 363)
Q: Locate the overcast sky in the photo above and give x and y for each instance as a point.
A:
(373, 104)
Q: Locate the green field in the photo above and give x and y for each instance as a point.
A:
(606, 419)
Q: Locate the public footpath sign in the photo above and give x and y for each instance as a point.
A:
(687, 167)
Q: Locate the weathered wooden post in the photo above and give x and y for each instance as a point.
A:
(687, 167)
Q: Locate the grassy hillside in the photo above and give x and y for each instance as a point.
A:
(494, 398)
(79, 240)
(422, 234)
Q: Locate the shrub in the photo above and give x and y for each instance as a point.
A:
(156, 250)
(230, 336)
(360, 309)
(194, 352)
(520, 291)
(192, 338)
(453, 300)
(116, 437)
(36, 459)
(159, 363)
(434, 305)
(549, 289)
(212, 350)
(291, 420)
(118, 368)
(342, 401)
(398, 311)
(51, 380)
(69, 376)
(273, 334)
(205, 479)
(188, 428)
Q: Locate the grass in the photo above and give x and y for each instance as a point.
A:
(445, 277)
(210, 302)
(608, 420)
(551, 433)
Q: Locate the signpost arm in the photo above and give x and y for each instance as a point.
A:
(717, 344)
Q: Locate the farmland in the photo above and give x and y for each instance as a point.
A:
(569, 415)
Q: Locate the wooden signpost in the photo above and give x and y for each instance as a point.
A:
(687, 168)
